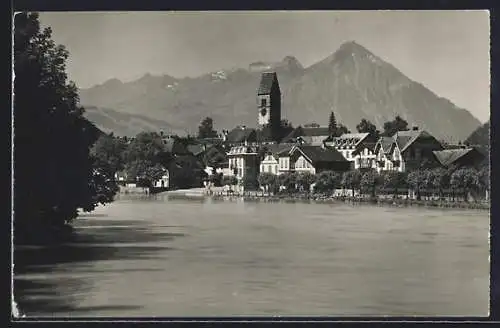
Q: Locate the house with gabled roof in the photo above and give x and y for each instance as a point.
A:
(275, 157)
(356, 147)
(315, 159)
(460, 157)
(406, 150)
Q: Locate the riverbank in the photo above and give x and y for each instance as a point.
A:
(368, 200)
(218, 193)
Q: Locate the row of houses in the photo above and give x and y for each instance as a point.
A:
(246, 152)
(313, 150)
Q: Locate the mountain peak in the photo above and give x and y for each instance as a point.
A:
(352, 47)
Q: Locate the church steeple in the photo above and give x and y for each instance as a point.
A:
(269, 103)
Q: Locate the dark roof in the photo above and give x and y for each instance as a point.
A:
(240, 134)
(405, 138)
(449, 156)
(315, 132)
(278, 149)
(306, 132)
(319, 154)
(266, 83)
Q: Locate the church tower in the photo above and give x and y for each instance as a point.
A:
(269, 104)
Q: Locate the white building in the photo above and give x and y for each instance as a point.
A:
(164, 182)
(243, 161)
(357, 148)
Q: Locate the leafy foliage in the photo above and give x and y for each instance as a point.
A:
(351, 179)
(342, 129)
(206, 129)
(305, 180)
(268, 180)
(327, 181)
(288, 180)
(366, 126)
(391, 127)
(146, 158)
(55, 173)
(465, 179)
(370, 180)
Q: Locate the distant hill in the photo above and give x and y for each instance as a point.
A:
(480, 136)
(352, 82)
(122, 124)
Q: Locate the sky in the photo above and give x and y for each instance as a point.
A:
(447, 51)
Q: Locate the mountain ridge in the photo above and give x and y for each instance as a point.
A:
(352, 81)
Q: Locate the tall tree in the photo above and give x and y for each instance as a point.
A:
(54, 172)
(206, 129)
(332, 124)
(398, 124)
(366, 126)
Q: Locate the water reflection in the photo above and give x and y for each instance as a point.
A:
(184, 256)
(96, 239)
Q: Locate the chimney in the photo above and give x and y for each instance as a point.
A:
(415, 128)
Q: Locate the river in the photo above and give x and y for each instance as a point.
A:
(173, 256)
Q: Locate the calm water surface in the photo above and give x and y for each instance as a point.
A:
(166, 256)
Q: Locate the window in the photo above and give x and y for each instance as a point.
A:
(263, 102)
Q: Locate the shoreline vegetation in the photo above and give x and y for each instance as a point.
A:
(330, 199)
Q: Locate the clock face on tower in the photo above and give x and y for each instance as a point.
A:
(263, 112)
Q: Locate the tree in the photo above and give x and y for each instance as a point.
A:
(484, 178)
(416, 180)
(327, 181)
(268, 180)
(342, 129)
(391, 127)
(393, 180)
(440, 180)
(366, 126)
(110, 150)
(288, 180)
(305, 180)
(370, 180)
(351, 179)
(466, 180)
(206, 129)
(332, 124)
(55, 173)
(145, 158)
